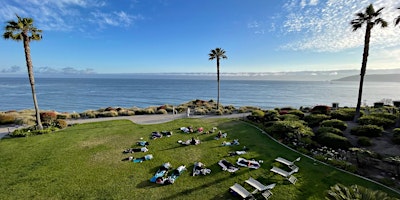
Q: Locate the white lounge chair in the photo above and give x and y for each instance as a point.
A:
(287, 175)
(259, 187)
(240, 190)
(290, 164)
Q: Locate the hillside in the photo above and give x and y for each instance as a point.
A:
(373, 78)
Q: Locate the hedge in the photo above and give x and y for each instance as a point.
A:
(335, 123)
(367, 130)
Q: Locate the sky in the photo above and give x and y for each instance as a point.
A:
(175, 36)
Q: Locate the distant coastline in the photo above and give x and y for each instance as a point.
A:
(373, 78)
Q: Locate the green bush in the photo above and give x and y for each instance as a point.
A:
(367, 130)
(334, 141)
(364, 141)
(289, 129)
(335, 123)
(385, 115)
(31, 131)
(258, 113)
(379, 121)
(298, 113)
(345, 114)
(314, 120)
(200, 111)
(343, 165)
(7, 119)
(322, 130)
(271, 115)
(289, 117)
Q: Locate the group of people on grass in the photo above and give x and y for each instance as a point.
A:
(160, 177)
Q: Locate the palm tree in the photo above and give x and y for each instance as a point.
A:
(397, 20)
(370, 18)
(217, 53)
(24, 30)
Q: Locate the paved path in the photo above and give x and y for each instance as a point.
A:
(139, 119)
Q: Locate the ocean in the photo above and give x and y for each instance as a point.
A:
(81, 94)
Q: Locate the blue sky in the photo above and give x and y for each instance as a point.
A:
(146, 36)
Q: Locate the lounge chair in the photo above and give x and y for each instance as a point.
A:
(240, 190)
(290, 164)
(259, 186)
(287, 175)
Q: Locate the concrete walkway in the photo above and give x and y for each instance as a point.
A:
(138, 119)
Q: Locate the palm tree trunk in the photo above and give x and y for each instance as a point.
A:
(363, 69)
(218, 82)
(32, 81)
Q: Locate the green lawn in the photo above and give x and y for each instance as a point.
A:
(84, 162)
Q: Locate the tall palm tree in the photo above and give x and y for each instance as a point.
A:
(397, 20)
(217, 53)
(23, 30)
(371, 18)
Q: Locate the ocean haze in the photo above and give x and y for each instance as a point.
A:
(280, 75)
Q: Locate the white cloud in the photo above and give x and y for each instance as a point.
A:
(326, 27)
(67, 15)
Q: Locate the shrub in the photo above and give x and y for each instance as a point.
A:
(298, 113)
(7, 119)
(289, 129)
(289, 117)
(31, 131)
(364, 141)
(379, 121)
(149, 111)
(335, 123)
(258, 113)
(60, 123)
(63, 116)
(200, 111)
(367, 130)
(321, 109)
(385, 115)
(314, 120)
(161, 111)
(334, 141)
(111, 113)
(328, 129)
(218, 112)
(245, 109)
(89, 114)
(75, 115)
(345, 114)
(48, 117)
(124, 112)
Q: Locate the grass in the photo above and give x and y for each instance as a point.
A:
(84, 162)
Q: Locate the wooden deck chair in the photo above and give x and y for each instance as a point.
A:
(240, 190)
